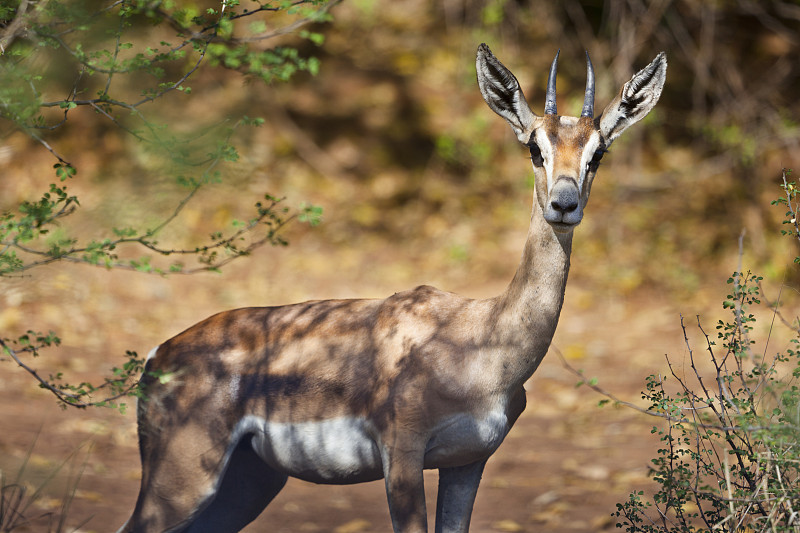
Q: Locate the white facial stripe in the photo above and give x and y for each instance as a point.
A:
(588, 152)
(543, 141)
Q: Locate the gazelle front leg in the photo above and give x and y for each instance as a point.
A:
(457, 489)
(405, 488)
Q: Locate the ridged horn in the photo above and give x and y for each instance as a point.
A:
(588, 98)
(550, 98)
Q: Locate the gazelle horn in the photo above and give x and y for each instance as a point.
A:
(550, 98)
(588, 99)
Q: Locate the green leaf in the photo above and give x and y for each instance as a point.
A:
(310, 214)
(314, 37)
(64, 170)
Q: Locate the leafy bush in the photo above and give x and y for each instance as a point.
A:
(729, 459)
(112, 61)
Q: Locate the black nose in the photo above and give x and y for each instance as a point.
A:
(565, 199)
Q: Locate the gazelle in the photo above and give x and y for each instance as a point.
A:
(345, 391)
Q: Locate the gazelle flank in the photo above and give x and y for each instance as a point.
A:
(345, 391)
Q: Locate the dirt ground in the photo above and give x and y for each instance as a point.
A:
(562, 468)
(567, 462)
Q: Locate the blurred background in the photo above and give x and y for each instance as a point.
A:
(421, 183)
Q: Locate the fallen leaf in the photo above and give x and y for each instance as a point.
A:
(507, 525)
(90, 495)
(354, 526)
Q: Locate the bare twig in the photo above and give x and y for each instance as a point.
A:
(673, 419)
(794, 326)
(49, 148)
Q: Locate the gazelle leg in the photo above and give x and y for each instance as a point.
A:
(405, 489)
(197, 492)
(176, 481)
(247, 486)
(457, 489)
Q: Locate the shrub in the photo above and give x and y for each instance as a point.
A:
(115, 59)
(729, 459)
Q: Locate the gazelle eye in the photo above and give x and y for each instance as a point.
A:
(594, 162)
(536, 154)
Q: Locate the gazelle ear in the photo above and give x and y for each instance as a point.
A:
(637, 97)
(502, 92)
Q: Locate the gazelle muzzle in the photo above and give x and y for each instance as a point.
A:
(563, 206)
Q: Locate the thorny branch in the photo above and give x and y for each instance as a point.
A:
(710, 402)
(267, 216)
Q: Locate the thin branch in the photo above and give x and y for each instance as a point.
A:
(117, 42)
(15, 28)
(116, 122)
(179, 82)
(649, 412)
(72, 255)
(192, 193)
(75, 400)
(208, 34)
(49, 148)
(774, 305)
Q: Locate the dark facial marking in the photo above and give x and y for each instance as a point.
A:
(536, 153)
(594, 162)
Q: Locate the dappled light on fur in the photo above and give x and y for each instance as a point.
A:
(347, 391)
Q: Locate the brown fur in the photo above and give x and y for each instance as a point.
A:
(421, 369)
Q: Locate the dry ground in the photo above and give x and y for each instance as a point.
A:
(562, 468)
(566, 462)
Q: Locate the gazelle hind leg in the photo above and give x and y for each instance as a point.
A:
(247, 487)
(219, 490)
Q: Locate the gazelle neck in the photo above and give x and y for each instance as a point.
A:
(528, 311)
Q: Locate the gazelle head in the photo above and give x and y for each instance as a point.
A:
(566, 151)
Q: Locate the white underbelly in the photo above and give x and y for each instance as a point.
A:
(345, 450)
(339, 450)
